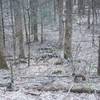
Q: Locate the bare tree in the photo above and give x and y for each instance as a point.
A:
(29, 33)
(81, 7)
(89, 13)
(3, 63)
(99, 58)
(42, 26)
(68, 30)
(13, 31)
(18, 26)
(60, 11)
(3, 29)
(34, 26)
(55, 1)
(25, 19)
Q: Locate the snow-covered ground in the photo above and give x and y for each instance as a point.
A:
(43, 67)
(35, 95)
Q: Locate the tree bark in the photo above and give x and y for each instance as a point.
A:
(89, 13)
(13, 31)
(3, 30)
(61, 34)
(98, 70)
(68, 30)
(18, 27)
(34, 26)
(3, 64)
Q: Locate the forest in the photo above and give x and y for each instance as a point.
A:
(49, 50)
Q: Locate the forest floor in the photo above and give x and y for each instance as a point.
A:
(49, 76)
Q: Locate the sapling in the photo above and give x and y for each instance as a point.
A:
(10, 84)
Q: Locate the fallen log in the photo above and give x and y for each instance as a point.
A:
(4, 84)
(33, 94)
(83, 90)
(66, 89)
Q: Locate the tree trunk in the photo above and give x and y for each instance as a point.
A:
(89, 13)
(68, 30)
(54, 11)
(81, 7)
(3, 30)
(98, 70)
(42, 25)
(13, 31)
(3, 64)
(29, 53)
(61, 34)
(34, 26)
(18, 27)
(25, 21)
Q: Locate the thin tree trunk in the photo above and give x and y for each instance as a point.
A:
(34, 26)
(13, 31)
(42, 37)
(81, 7)
(3, 64)
(93, 22)
(3, 30)
(54, 11)
(29, 28)
(98, 70)
(25, 25)
(61, 34)
(89, 13)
